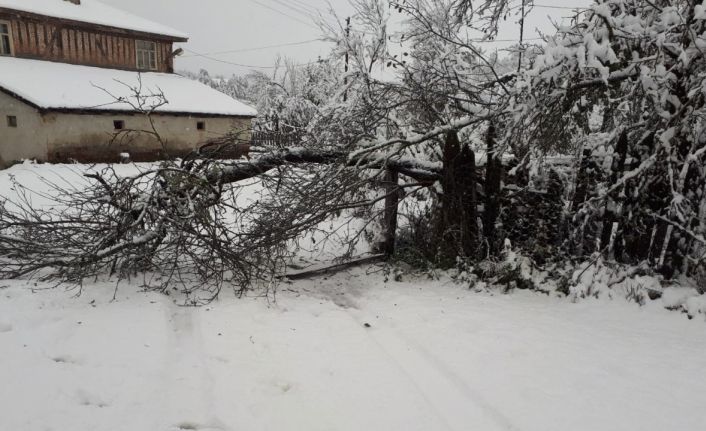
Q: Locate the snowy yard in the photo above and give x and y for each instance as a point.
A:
(436, 356)
(554, 184)
(346, 352)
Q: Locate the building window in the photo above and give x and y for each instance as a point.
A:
(118, 124)
(11, 121)
(5, 38)
(146, 55)
(200, 125)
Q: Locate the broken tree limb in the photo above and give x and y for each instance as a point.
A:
(300, 275)
(230, 173)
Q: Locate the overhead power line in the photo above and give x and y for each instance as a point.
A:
(258, 48)
(307, 11)
(506, 40)
(283, 13)
(306, 5)
(295, 9)
(251, 66)
(546, 6)
(526, 39)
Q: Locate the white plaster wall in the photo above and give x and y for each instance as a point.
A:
(92, 138)
(28, 140)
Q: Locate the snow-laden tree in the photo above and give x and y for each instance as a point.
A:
(640, 65)
(621, 87)
(402, 117)
(236, 86)
(288, 97)
(428, 91)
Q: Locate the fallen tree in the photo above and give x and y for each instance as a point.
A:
(190, 223)
(196, 222)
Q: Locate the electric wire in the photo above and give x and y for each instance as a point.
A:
(258, 48)
(283, 13)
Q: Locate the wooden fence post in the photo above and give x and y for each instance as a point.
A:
(456, 224)
(392, 200)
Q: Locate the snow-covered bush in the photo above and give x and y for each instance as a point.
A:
(642, 64)
(600, 279)
(515, 271)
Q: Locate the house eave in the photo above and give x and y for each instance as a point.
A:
(118, 112)
(20, 98)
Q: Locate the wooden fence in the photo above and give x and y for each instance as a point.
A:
(276, 139)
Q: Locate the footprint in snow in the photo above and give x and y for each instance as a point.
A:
(283, 386)
(89, 400)
(193, 426)
(5, 327)
(64, 359)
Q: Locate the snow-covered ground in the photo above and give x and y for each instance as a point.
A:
(435, 356)
(346, 352)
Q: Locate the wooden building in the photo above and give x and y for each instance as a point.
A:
(73, 72)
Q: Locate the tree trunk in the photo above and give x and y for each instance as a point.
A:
(458, 219)
(493, 185)
(638, 232)
(611, 212)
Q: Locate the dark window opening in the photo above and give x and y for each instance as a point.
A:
(200, 125)
(5, 38)
(11, 121)
(118, 124)
(59, 40)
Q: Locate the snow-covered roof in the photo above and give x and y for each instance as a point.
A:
(60, 86)
(93, 12)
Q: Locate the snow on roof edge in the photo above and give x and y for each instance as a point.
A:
(87, 88)
(93, 12)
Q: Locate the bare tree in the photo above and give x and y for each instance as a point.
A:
(143, 102)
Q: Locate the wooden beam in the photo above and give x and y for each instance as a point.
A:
(317, 272)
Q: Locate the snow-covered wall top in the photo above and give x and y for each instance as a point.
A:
(50, 85)
(93, 12)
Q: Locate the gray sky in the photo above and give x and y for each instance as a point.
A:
(248, 25)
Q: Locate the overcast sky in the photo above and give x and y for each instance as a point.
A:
(247, 26)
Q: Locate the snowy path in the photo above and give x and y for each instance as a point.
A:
(435, 357)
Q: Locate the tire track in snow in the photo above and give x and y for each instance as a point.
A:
(191, 385)
(456, 403)
(458, 381)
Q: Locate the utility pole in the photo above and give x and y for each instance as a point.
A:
(522, 37)
(345, 79)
